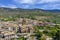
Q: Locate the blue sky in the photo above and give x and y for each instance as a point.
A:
(28, 4)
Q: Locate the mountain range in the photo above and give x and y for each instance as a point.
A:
(26, 12)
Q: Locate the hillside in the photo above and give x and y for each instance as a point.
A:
(39, 14)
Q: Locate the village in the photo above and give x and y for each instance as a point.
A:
(22, 27)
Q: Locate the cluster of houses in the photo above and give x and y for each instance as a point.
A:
(11, 29)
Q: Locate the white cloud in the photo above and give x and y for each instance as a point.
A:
(43, 4)
(8, 6)
(47, 1)
(12, 6)
(50, 6)
(26, 1)
(36, 1)
(25, 6)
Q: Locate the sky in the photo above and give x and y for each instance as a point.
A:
(31, 4)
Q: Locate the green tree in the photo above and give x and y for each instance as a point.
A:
(57, 36)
